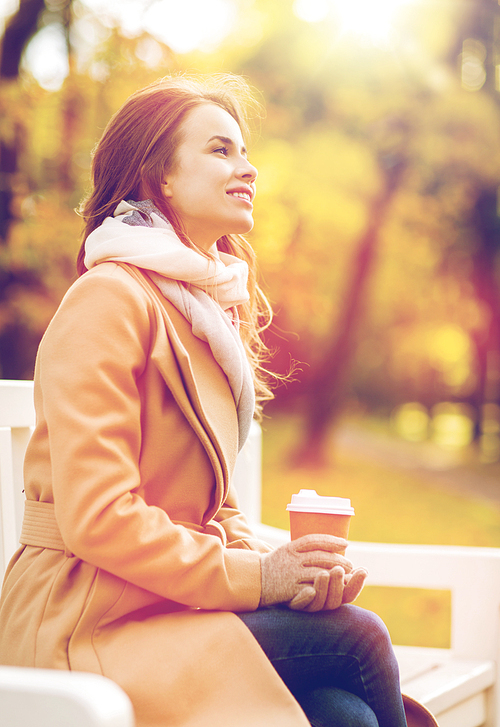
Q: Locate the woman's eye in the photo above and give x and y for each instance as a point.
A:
(222, 150)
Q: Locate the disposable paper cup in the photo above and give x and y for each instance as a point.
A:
(311, 513)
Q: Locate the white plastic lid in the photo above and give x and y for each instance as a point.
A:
(310, 501)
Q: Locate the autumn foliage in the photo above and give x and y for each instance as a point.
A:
(376, 218)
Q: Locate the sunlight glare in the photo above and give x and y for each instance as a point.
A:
(312, 11)
(7, 7)
(47, 59)
(183, 26)
(127, 13)
(190, 24)
(373, 21)
(365, 19)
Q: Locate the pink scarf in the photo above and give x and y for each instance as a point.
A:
(205, 291)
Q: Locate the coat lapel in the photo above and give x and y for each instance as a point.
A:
(198, 384)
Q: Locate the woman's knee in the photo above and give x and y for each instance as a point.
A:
(367, 623)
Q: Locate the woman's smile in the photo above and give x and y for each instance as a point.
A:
(242, 195)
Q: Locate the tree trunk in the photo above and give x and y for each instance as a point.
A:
(328, 387)
(18, 31)
(487, 225)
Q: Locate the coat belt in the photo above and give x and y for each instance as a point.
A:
(40, 527)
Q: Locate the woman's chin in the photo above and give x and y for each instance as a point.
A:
(242, 228)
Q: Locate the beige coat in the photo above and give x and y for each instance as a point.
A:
(138, 555)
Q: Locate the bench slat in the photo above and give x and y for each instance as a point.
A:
(455, 690)
(470, 713)
(414, 661)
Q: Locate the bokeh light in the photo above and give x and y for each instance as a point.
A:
(312, 11)
(472, 59)
(7, 7)
(372, 21)
(450, 352)
(452, 425)
(190, 24)
(489, 439)
(47, 58)
(411, 421)
(184, 27)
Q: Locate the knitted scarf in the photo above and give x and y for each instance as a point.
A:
(206, 291)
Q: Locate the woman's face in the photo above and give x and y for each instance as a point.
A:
(212, 185)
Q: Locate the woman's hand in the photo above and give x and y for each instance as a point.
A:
(353, 584)
(297, 572)
(330, 590)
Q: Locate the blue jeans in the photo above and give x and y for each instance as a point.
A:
(339, 665)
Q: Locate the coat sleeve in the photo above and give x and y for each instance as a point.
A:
(89, 368)
(238, 532)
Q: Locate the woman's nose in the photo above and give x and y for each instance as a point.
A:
(248, 172)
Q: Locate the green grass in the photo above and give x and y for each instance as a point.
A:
(392, 506)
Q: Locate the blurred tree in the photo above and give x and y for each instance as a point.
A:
(479, 53)
(327, 390)
(50, 134)
(485, 260)
(340, 115)
(18, 31)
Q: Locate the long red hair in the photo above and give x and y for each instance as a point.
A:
(136, 152)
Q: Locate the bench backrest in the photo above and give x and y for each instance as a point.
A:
(17, 419)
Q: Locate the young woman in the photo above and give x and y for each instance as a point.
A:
(135, 561)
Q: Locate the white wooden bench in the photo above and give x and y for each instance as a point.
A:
(42, 697)
(458, 685)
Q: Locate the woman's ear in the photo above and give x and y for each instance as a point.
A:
(166, 188)
(168, 183)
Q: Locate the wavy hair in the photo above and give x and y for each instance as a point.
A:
(135, 154)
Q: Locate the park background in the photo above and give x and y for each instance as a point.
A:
(377, 229)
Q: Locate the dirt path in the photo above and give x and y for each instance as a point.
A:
(456, 471)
